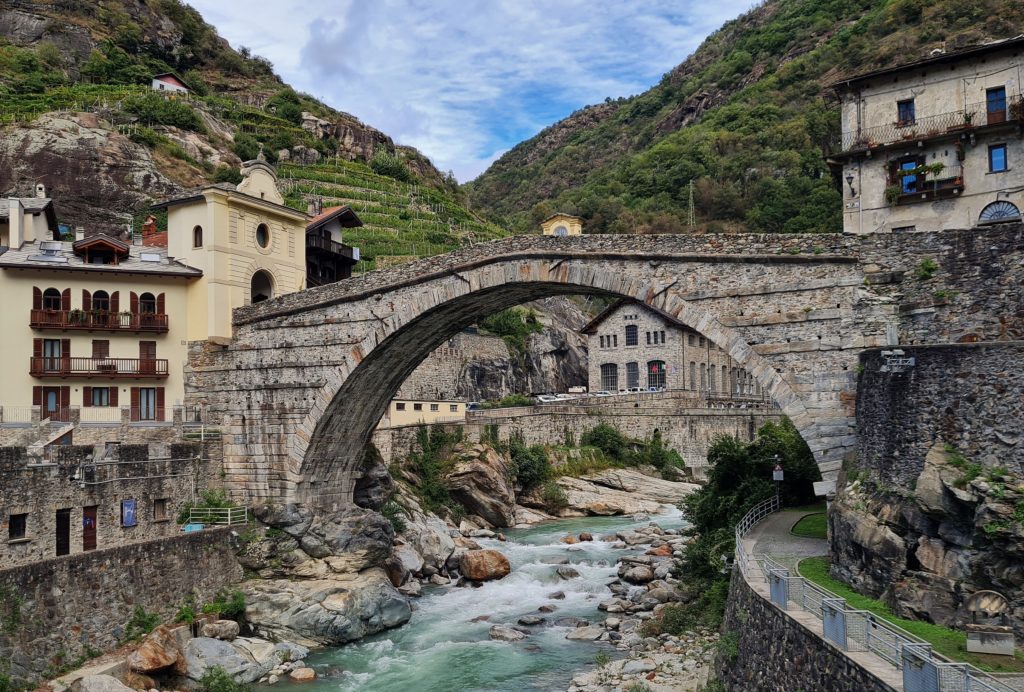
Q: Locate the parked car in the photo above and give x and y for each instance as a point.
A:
(473, 406)
(635, 390)
(601, 392)
(564, 397)
(546, 399)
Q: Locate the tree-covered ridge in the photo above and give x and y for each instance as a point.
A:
(746, 120)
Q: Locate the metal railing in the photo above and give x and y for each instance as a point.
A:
(316, 242)
(17, 414)
(954, 122)
(98, 320)
(851, 629)
(66, 366)
(226, 516)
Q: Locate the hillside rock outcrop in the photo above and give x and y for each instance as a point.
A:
(481, 481)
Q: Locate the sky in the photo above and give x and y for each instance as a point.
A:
(463, 81)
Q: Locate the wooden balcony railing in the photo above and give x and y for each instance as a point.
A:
(98, 321)
(108, 368)
(315, 242)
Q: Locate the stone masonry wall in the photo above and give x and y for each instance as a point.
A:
(776, 653)
(441, 375)
(56, 610)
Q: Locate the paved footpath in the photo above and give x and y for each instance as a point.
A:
(772, 537)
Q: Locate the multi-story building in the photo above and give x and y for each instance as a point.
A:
(933, 144)
(632, 347)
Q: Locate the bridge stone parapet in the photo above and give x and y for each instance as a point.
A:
(309, 374)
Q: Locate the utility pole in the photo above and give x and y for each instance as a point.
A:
(690, 218)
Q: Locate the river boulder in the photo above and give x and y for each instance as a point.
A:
(482, 482)
(362, 537)
(484, 565)
(505, 634)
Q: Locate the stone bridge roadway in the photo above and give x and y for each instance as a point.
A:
(309, 374)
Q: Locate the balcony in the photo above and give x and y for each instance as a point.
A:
(107, 368)
(975, 117)
(316, 242)
(66, 320)
(918, 188)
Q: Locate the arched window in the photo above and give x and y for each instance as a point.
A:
(147, 304)
(197, 236)
(693, 375)
(632, 335)
(656, 374)
(999, 212)
(51, 299)
(610, 377)
(725, 379)
(632, 375)
(561, 231)
(101, 301)
(262, 235)
(261, 287)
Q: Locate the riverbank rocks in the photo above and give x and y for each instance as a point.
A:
(302, 675)
(502, 633)
(614, 492)
(326, 612)
(100, 683)
(484, 565)
(220, 629)
(482, 482)
(162, 648)
(358, 538)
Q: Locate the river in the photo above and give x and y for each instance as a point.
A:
(441, 648)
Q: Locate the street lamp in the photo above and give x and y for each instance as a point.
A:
(777, 476)
(849, 181)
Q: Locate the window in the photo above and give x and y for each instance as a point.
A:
(610, 377)
(561, 231)
(197, 236)
(908, 181)
(702, 342)
(711, 378)
(602, 341)
(725, 379)
(100, 348)
(16, 526)
(100, 396)
(101, 301)
(693, 374)
(905, 113)
(147, 403)
(663, 336)
(689, 340)
(648, 338)
(615, 340)
(51, 299)
(632, 375)
(453, 408)
(703, 377)
(51, 354)
(904, 229)
(632, 335)
(128, 517)
(999, 212)
(417, 407)
(262, 235)
(656, 374)
(147, 304)
(995, 105)
(997, 158)
(160, 509)
(400, 406)
(261, 287)
(434, 407)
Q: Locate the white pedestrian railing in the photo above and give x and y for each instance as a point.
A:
(218, 515)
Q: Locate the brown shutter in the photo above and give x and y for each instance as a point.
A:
(100, 348)
(37, 348)
(113, 396)
(37, 298)
(114, 302)
(65, 397)
(135, 403)
(159, 403)
(65, 348)
(37, 396)
(86, 396)
(65, 299)
(134, 303)
(86, 300)
(160, 304)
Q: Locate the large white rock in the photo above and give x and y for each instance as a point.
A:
(100, 683)
(202, 653)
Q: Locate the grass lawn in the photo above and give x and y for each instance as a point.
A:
(816, 507)
(811, 526)
(948, 642)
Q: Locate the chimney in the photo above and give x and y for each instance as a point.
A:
(17, 223)
(40, 190)
(79, 233)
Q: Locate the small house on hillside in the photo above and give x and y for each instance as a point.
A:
(168, 81)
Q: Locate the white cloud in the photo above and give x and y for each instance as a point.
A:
(464, 80)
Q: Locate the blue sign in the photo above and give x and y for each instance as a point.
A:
(128, 513)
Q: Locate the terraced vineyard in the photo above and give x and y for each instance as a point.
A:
(403, 221)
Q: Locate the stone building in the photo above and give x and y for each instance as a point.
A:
(562, 225)
(632, 347)
(934, 144)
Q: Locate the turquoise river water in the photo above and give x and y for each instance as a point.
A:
(442, 649)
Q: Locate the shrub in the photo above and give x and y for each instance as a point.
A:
(245, 146)
(553, 496)
(216, 679)
(608, 439)
(227, 174)
(214, 498)
(151, 108)
(390, 165)
(226, 605)
(926, 269)
(513, 326)
(530, 465)
(141, 623)
(393, 512)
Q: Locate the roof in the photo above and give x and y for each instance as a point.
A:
(176, 78)
(120, 247)
(31, 256)
(343, 213)
(558, 213)
(198, 195)
(954, 56)
(31, 205)
(592, 326)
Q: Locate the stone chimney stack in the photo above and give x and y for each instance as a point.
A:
(79, 233)
(40, 190)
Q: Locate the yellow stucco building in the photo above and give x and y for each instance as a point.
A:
(562, 225)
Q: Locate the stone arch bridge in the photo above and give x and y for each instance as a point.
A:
(308, 375)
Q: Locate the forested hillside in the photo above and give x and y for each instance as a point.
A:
(745, 120)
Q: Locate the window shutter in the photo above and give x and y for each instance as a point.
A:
(65, 299)
(113, 396)
(135, 403)
(159, 403)
(65, 397)
(134, 303)
(37, 396)
(37, 348)
(86, 396)
(86, 300)
(37, 298)
(114, 302)
(160, 304)
(65, 348)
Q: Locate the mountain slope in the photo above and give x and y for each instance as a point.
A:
(110, 144)
(745, 119)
